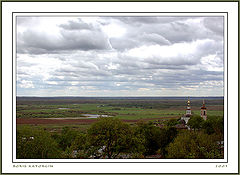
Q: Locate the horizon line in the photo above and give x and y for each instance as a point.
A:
(120, 96)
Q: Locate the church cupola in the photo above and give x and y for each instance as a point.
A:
(204, 111)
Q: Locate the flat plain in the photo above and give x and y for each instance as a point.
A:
(79, 112)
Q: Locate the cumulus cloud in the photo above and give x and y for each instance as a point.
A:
(76, 25)
(120, 56)
(140, 20)
(26, 84)
(215, 24)
(71, 36)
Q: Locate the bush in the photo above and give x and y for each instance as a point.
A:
(67, 137)
(155, 139)
(36, 144)
(194, 145)
(195, 122)
(108, 138)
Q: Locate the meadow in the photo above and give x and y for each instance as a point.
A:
(129, 110)
(148, 126)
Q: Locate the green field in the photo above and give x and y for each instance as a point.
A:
(46, 128)
(121, 109)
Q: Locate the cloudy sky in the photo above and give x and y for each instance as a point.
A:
(120, 56)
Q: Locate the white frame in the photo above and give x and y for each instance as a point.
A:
(164, 167)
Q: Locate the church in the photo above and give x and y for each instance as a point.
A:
(188, 114)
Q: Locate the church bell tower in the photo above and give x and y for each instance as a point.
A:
(188, 109)
(188, 114)
(204, 111)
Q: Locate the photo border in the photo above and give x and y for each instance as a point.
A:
(225, 96)
(232, 158)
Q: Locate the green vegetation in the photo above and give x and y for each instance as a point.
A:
(112, 138)
(195, 122)
(155, 139)
(127, 109)
(36, 143)
(194, 145)
(137, 129)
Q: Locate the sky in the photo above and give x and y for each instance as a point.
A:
(120, 56)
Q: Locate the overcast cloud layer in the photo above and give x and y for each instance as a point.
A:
(120, 56)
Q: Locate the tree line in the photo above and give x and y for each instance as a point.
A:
(113, 139)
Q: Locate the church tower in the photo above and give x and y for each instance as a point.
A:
(188, 114)
(188, 109)
(204, 111)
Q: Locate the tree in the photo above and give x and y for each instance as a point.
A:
(194, 145)
(172, 122)
(66, 137)
(218, 125)
(214, 125)
(79, 147)
(166, 137)
(109, 137)
(155, 138)
(207, 126)
(195, 122)
(151, 134)
(35, 143)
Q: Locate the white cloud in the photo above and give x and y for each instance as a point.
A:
(26, 84)
(212, 63)
(114, 30)
(41, 66)
(120, 56)
(52, 82)
(176, 54)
